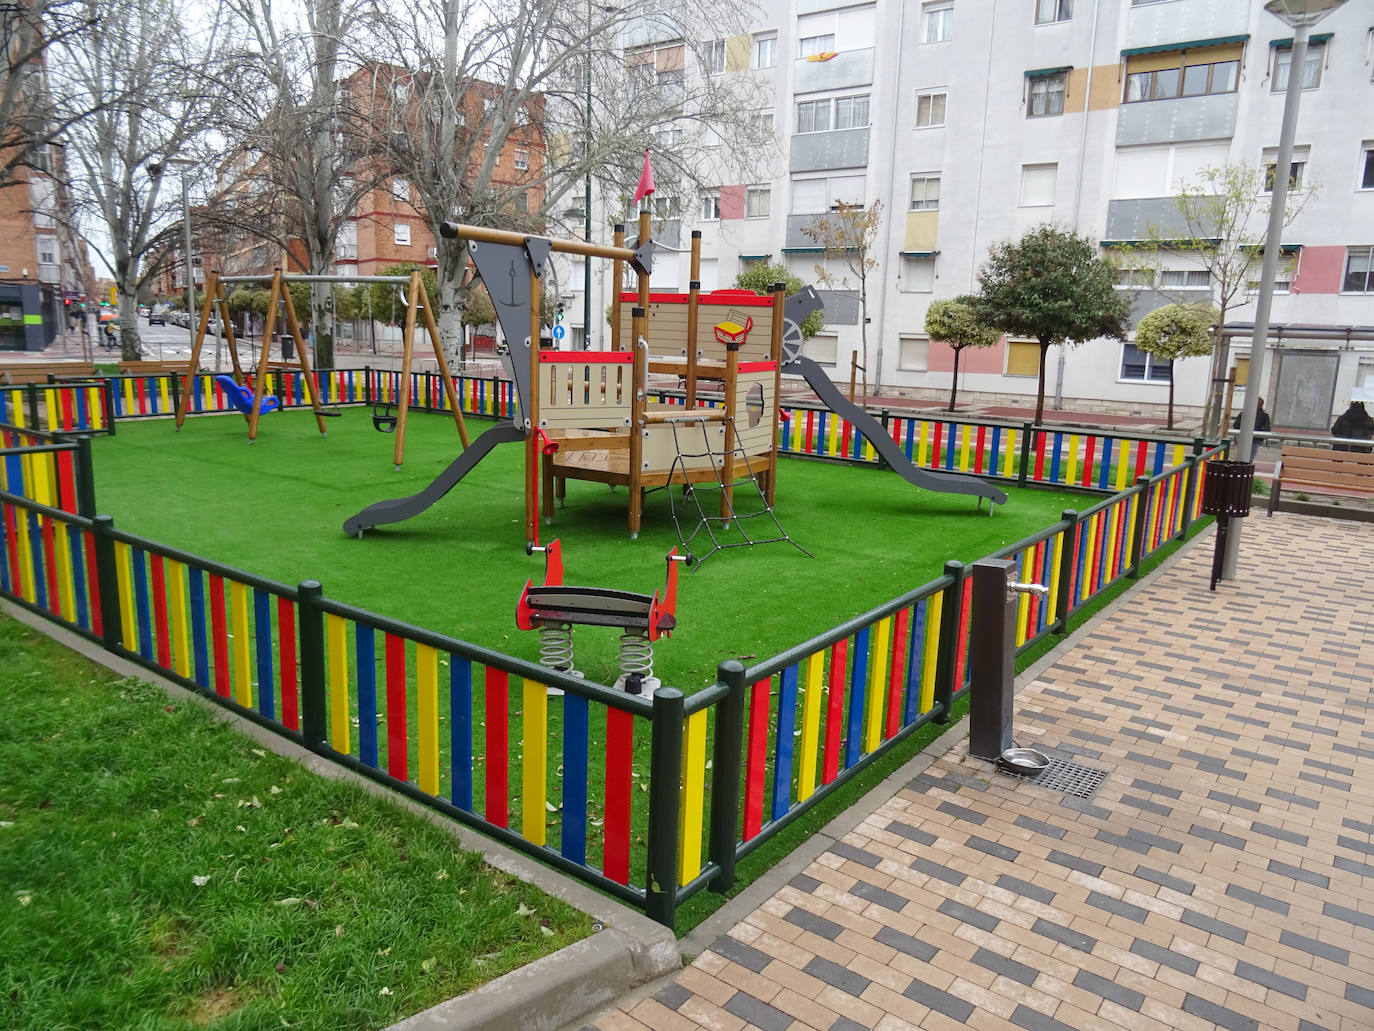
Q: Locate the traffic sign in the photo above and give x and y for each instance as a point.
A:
(559, 332)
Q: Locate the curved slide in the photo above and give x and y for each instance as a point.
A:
(396, 510)
(872, 429)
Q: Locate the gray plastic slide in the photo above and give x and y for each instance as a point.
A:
(397, 509)
(872, 429)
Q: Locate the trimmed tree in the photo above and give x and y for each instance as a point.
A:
(849, 237)
(954, 321)
(760, 279)
(1053, 287)
(1176, 331)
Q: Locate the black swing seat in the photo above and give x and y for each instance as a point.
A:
(593, 606)
(330, 413)
(384, 418)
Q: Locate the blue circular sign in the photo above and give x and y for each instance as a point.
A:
(559, 332)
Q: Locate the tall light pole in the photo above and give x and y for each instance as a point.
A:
(587, 195)
(1300, 15)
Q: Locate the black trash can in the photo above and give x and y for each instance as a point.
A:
(1226, 494)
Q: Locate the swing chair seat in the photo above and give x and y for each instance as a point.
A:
(384, 418)
(330, 413)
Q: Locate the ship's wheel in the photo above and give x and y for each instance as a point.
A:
(791, 341)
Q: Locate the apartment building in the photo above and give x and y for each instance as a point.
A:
(971, 122)
(45, 273)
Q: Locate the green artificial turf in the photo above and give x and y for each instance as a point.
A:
(276, 507)
(163, 872)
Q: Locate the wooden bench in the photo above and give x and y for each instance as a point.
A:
(1350, 473)
(12, 373)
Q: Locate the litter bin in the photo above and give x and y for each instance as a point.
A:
(288, 348)
(1226, 494)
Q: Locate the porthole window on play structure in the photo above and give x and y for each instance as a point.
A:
(753, 404)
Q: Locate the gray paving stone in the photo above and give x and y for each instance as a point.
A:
(1165, 880)
(911, 833)
(879, 896)
(1212, 925)
(1326, 782)
(933, 869)
(1075, 863)
(1360, 995)
(1357, 825)
(907, 944)
(1219, 1015)
(969, 915)
(1306, 801)
(817, 925)
(1270, 979)
(942, 1002)
(745, 955)
(1108, 989)
(1220, 837)
(1350, 866)
(1145, 805)
(837, 976)
(855, 855)
(1257, 900)
(1064, 935)
(962, 812)
(1298, 873)
(1034, 1020)
(1029, 823)
(992, 848)
(1000, 964)
(1154, 840)
(673, 996)
(755, 1011)
(1236, 800)
(1151, 788)
(803, 882)
(1350, 916)
(1166, 957)
(845, 1024)
(1355, 844)
(1117, 906)
(1123, 841)
(1279, 833)
(1026, 888)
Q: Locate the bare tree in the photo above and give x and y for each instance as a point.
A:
(298, 169)
(848, 235)
(29, 119)
(1221, 221)
(447, 104)
(135, 88)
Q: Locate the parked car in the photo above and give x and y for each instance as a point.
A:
(157, 318)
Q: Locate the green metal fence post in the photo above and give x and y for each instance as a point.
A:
(725, 774)
(31, 402)
(85, 478)
(885, 417)
(1138, 531)
(176, 391)
(107, 590)
(1027, 434)
(367, 384)
(951, 615)
(311, 621)
(665, 792)
(1189, 493)
(107, 398)
(1068, 564)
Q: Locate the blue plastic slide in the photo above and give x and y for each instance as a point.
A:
(242, 398)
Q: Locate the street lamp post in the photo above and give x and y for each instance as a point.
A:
(1300, 15)
(587, 194)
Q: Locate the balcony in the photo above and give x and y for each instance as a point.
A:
(819, 151)
(1211, 117)
(843, 71)
(49, 272)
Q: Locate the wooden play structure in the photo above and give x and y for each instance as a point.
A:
(280, 306)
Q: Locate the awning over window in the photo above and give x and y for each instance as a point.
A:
(1287, 44)
(755, 257)
(1045, 73)
(1284, 248)
(803, 250)
(1196, 44)
(917, 254)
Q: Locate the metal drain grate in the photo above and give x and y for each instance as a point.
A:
(1070, 778)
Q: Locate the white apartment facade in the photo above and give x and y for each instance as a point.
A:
(973, 120)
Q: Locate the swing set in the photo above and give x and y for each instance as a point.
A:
(280, 306)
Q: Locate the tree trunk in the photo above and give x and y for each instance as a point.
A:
(452, 258)
(129, 344)
(1040, 389)
(954, 386)
(1216, 395)
(321, 330)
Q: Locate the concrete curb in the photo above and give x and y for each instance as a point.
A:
(627, 951)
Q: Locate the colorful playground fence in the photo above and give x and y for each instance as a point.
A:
(650, 799)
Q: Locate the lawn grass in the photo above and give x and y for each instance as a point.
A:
(276, 508)
(161, 871)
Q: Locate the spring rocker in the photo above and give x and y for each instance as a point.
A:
(555, 608)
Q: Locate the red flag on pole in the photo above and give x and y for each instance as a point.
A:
(646, 180)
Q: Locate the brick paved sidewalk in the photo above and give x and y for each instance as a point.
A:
(1222, 876)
